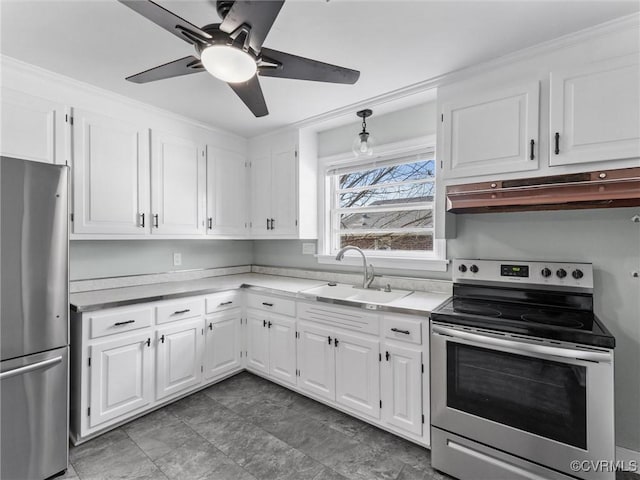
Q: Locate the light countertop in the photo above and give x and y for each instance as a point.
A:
(417, 302)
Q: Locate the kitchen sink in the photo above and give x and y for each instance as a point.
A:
(378, 296)
(356, 294)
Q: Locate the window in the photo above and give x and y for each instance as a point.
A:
(385, 206)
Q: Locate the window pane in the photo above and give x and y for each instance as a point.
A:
(387, 220)
(423, 169)
(420, 192)
(392, 241)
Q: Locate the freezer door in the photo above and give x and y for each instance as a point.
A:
(34, 257)
(33, 415)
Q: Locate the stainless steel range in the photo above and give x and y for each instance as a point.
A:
(521, 374)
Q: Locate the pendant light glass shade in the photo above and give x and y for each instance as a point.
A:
(363, 144)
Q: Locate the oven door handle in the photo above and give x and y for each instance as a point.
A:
(524, 347)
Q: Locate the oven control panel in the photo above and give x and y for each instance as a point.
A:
(552, 274)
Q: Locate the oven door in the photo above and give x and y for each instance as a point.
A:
(548, 403)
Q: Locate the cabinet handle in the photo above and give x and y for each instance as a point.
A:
(210, 325)
(335, 342)
(273, 224)
(117, 324)
(269, 324)
(531, 157)
(178, 312)
(148, 342)
(387, 355)
(155, 220)
(397, 330)
(264, 323)
(210, 223)
(225, 303)
(329, 340)
(162, 338)
(268, 225)
(267, 304)
(557, 151)
(142, 220)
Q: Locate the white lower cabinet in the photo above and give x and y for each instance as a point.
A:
(179, 347)
(401, 387)
(121, 377)
(316, 360)
(271, 345)
(222, 343)
(358, 373)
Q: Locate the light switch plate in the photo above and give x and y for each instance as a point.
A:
(177, 259)
(308, 248)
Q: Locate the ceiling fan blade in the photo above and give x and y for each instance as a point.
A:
(259, 15)
(167, 20)
(251, 94)
(301, 68)
(182, 66)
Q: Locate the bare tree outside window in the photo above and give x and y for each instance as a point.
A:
(385, 208)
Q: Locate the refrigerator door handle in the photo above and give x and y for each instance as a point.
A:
(30, 368)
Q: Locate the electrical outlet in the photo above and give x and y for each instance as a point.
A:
(308, 248)
(177, 259)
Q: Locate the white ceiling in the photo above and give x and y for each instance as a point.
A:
(393, 43)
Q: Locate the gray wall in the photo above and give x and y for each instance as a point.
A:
(606, 238)
(110, 258)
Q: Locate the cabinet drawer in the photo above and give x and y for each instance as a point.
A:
(350, 318)
(110, 322)
(222, 301)
(180, 309)
(272, 304)
(402, 328)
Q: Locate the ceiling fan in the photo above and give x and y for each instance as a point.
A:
(232, 50)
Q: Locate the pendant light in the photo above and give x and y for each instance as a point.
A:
(363, 143)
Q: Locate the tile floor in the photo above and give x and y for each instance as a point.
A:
(246, 428)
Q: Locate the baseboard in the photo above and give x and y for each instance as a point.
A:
(629, 457)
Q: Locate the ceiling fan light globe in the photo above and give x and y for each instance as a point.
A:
(228, 63)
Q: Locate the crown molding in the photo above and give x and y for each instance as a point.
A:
(628, 22)
(7, 62)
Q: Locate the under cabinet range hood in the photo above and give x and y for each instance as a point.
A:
(599, 189)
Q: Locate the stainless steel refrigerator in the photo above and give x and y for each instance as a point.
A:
(34, 321)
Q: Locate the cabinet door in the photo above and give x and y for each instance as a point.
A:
(226, 193)
(358, 373)
(282, 348)
(284, 191)
(179, 357)
(31, 127)
(316, 360)
(111, 175)
(178, 185)
(222, 347)
(595, 111)
(257, 342)
(402, 388)
(121, 377)
(491, 133)
(261, 190)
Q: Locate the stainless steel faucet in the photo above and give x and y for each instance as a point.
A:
(368, 273)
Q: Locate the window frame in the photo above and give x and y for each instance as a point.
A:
(434, 260)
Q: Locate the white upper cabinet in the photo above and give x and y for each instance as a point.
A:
(491, 132)
(178, 185)
(31, 128)
(284, 186)
(595, 112)
(111, 175)
(226, 193)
